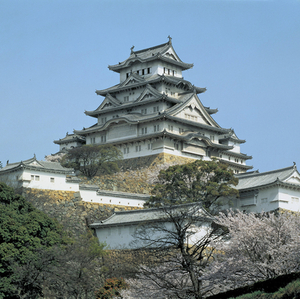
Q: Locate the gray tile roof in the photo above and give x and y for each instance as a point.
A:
(144, 215)
(150, 54)
(37, 165)
(256, 179)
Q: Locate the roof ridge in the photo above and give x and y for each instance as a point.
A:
(266, 172)
(150, 48)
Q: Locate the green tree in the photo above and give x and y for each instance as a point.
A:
(91, 159)
(1, 165)
(26, 235)
(77, 272)
(208, 182)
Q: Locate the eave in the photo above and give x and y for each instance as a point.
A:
(136, 59)
(129, 105)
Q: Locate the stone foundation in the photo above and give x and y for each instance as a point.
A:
(68, 208)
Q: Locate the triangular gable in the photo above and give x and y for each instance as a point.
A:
(193, 110)
(148, 93)
(109, 102)
(171, 54)
(294, 178)
(132, 79)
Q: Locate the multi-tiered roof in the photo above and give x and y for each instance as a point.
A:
(154, 109)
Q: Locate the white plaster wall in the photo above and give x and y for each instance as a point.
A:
(122, 131)
(68, 145)
(289, 199)
(22, 178)
(44, 181)
(92, 196)
(122, 236)
(138, 66)
(12, 179)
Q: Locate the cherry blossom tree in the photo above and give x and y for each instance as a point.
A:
(259, 247)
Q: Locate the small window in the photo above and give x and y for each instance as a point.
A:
(144, 111)
(32, 177)
(149, 146)
(138, 148)
(144, 130)
(37, 177)
(126, 99)
(51, 180)
(170, 128)
(149, 70)
(156, 128)
(156, 109)
(103, 138)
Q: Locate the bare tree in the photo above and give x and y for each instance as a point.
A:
(179, 245)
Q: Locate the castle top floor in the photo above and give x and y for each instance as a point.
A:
(158, 60)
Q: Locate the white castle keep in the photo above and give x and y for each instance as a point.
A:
(154, 110)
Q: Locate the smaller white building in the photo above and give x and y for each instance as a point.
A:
(118, 231)
(36, 174)
(92, 193)
(269, 191)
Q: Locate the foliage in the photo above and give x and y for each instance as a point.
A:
(208, 182)
(26, 234)
(1, 165)
(91, 159)
(78, 269)
(260, 247)
(182, 246)
(111, 288)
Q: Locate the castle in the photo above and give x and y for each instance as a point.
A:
(155, 110)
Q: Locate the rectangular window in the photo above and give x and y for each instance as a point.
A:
(144, 111)
(156, 109)
(32, 177)
(156, 128)
(138, 72)
(37, 177)
(103, 120)
(144, 130)
(138, 148)
(126, 150)
(149, 70)
(143, 71)
(181, 130)
(212, 137)
(51, 180)
(103, 138)
(93, 140)
(149, 146)
(126, 99)
(170, 128)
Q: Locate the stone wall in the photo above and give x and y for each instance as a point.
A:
(68, 208)
(137, 175)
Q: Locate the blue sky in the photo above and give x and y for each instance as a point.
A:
(54, 55)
